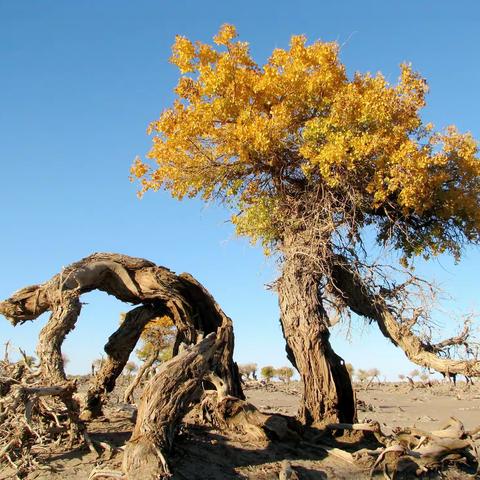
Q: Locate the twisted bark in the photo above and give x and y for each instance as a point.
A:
(328, 394)
(49, 349)
(165, 401)
(156, 289)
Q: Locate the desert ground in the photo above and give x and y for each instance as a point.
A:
(206, 453)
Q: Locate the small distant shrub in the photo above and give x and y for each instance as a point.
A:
(424, 377)
(285, 374)
(362, 375)
(97, 364)
(374, 373)
(414, 373)
(248, 370)
(130, 367)
(267, 372)
(30, 360)
(66, 359)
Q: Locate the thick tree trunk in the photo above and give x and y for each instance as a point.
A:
(165, 401)
(49, 349)
(328, 394)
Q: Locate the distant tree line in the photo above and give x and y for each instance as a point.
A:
(248, 371)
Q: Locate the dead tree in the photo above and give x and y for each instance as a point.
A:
(165, 401)
(143, 372)
(155, 290)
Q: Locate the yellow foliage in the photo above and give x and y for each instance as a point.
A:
(258, 136)
(158, 335)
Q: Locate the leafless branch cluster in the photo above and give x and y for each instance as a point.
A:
(34, 417)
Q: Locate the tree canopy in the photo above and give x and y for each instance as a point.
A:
(296, 134)
(158, 338)
(314, 164)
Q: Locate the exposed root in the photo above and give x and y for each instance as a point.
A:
(34, 417)
(99, 473)
(418, 450)
(235, 415)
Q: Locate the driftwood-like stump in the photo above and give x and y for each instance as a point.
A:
(156, 290)
(165, 401)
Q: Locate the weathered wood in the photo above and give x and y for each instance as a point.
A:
(134, 280)
(49, 349)
(32, 414)
(165, 401)
(235, 415)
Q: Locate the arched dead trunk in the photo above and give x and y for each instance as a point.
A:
(131, 280)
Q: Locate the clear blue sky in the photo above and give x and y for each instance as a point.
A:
(80, 81)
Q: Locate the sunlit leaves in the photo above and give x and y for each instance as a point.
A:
(262, 137)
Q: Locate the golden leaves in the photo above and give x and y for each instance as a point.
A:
(183, 52)
(225, 35)
(247, 135)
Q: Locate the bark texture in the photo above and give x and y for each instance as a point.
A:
(61, 322)
(155, 289)
(165, 401)
(328, 394)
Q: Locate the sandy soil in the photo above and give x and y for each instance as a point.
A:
(204, 453)
(392, 404)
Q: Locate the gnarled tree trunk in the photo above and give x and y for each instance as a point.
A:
(156, 289)
(49, 349)
(164, 402)
(328, 394)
